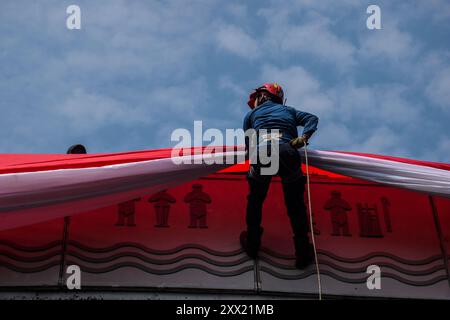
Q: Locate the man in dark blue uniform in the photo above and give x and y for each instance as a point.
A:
(269, 113)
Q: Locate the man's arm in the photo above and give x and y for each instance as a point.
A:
(308, 121)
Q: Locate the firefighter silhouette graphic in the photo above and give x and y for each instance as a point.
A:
(126, 213)
(387, 215)
(197, 200)
(315, 228)
(369, 223)
(162, 202)
(338, 208)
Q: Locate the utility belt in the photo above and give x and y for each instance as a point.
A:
(270, 137)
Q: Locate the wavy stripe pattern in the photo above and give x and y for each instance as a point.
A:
(94, 260)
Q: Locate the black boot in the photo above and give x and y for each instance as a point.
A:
(251, 241)
(304, 252)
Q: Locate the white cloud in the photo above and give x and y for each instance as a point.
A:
(231, 86)
(438, 90)
(181, 100)
(386, 104)
(300, 87)
(237, 41)
(334, 135)
(389, 43)
(237, 10)
(442, 152)
(382, 140)
(85, 112)
(315, 38)
(128, 63)
(309, 29)
(328, 7)
(438, 10)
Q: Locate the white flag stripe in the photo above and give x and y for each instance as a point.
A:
(398, 174)
(32, 197)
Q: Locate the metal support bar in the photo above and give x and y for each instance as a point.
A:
(440, 236)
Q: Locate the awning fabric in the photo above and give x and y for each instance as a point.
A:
(41, 187)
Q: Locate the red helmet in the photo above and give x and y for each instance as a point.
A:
(272, 88)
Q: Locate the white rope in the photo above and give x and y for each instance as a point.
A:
(319, 283)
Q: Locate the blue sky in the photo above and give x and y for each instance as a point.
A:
(137, 70)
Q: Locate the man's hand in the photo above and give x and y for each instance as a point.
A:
(300, 141)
